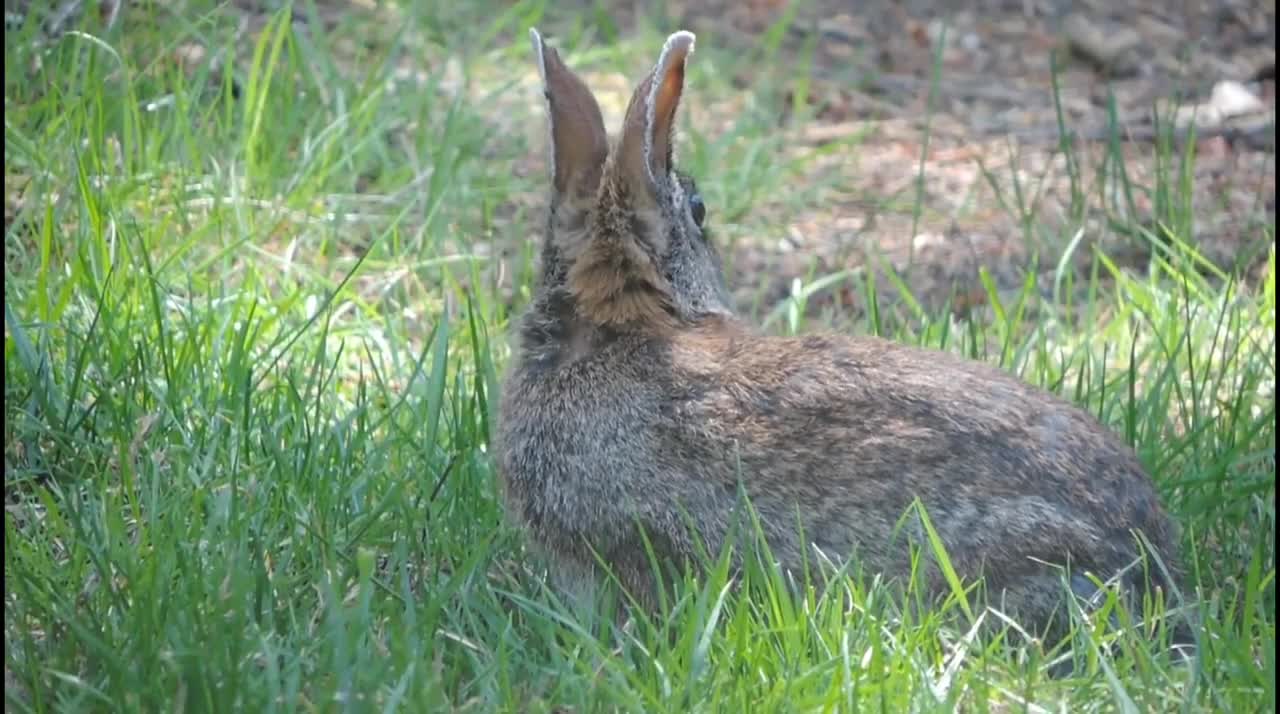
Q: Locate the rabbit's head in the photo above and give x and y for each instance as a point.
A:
(626, 239)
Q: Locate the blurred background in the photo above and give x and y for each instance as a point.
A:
(831, 138)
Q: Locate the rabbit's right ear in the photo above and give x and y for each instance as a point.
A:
(579, 143)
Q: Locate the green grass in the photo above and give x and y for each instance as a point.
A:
(252, 348)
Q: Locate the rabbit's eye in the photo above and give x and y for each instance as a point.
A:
(698, 209)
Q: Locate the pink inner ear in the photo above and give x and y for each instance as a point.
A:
(665, 101)
(645, 150)
(665, 98)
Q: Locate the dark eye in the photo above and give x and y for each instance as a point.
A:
(697, 208)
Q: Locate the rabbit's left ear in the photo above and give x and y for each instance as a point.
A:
(579, 143)
(647, 132)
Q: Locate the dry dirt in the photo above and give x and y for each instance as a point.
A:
(994, 117)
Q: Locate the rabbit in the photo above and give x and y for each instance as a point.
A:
(638, 407)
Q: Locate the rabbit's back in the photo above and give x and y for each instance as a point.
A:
(853, 430)
(832, 438)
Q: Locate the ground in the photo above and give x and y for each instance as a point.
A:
(260, 267)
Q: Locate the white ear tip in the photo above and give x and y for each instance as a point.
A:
(683, 40)
(678, 47)
(539, 53)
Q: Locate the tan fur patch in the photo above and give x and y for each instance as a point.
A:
(614, 286)
(611, 275)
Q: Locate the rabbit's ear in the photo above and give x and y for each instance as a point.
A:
(579, 143)
(651, 115)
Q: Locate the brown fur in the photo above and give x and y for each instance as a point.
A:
(638, 401)
(611, 277)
